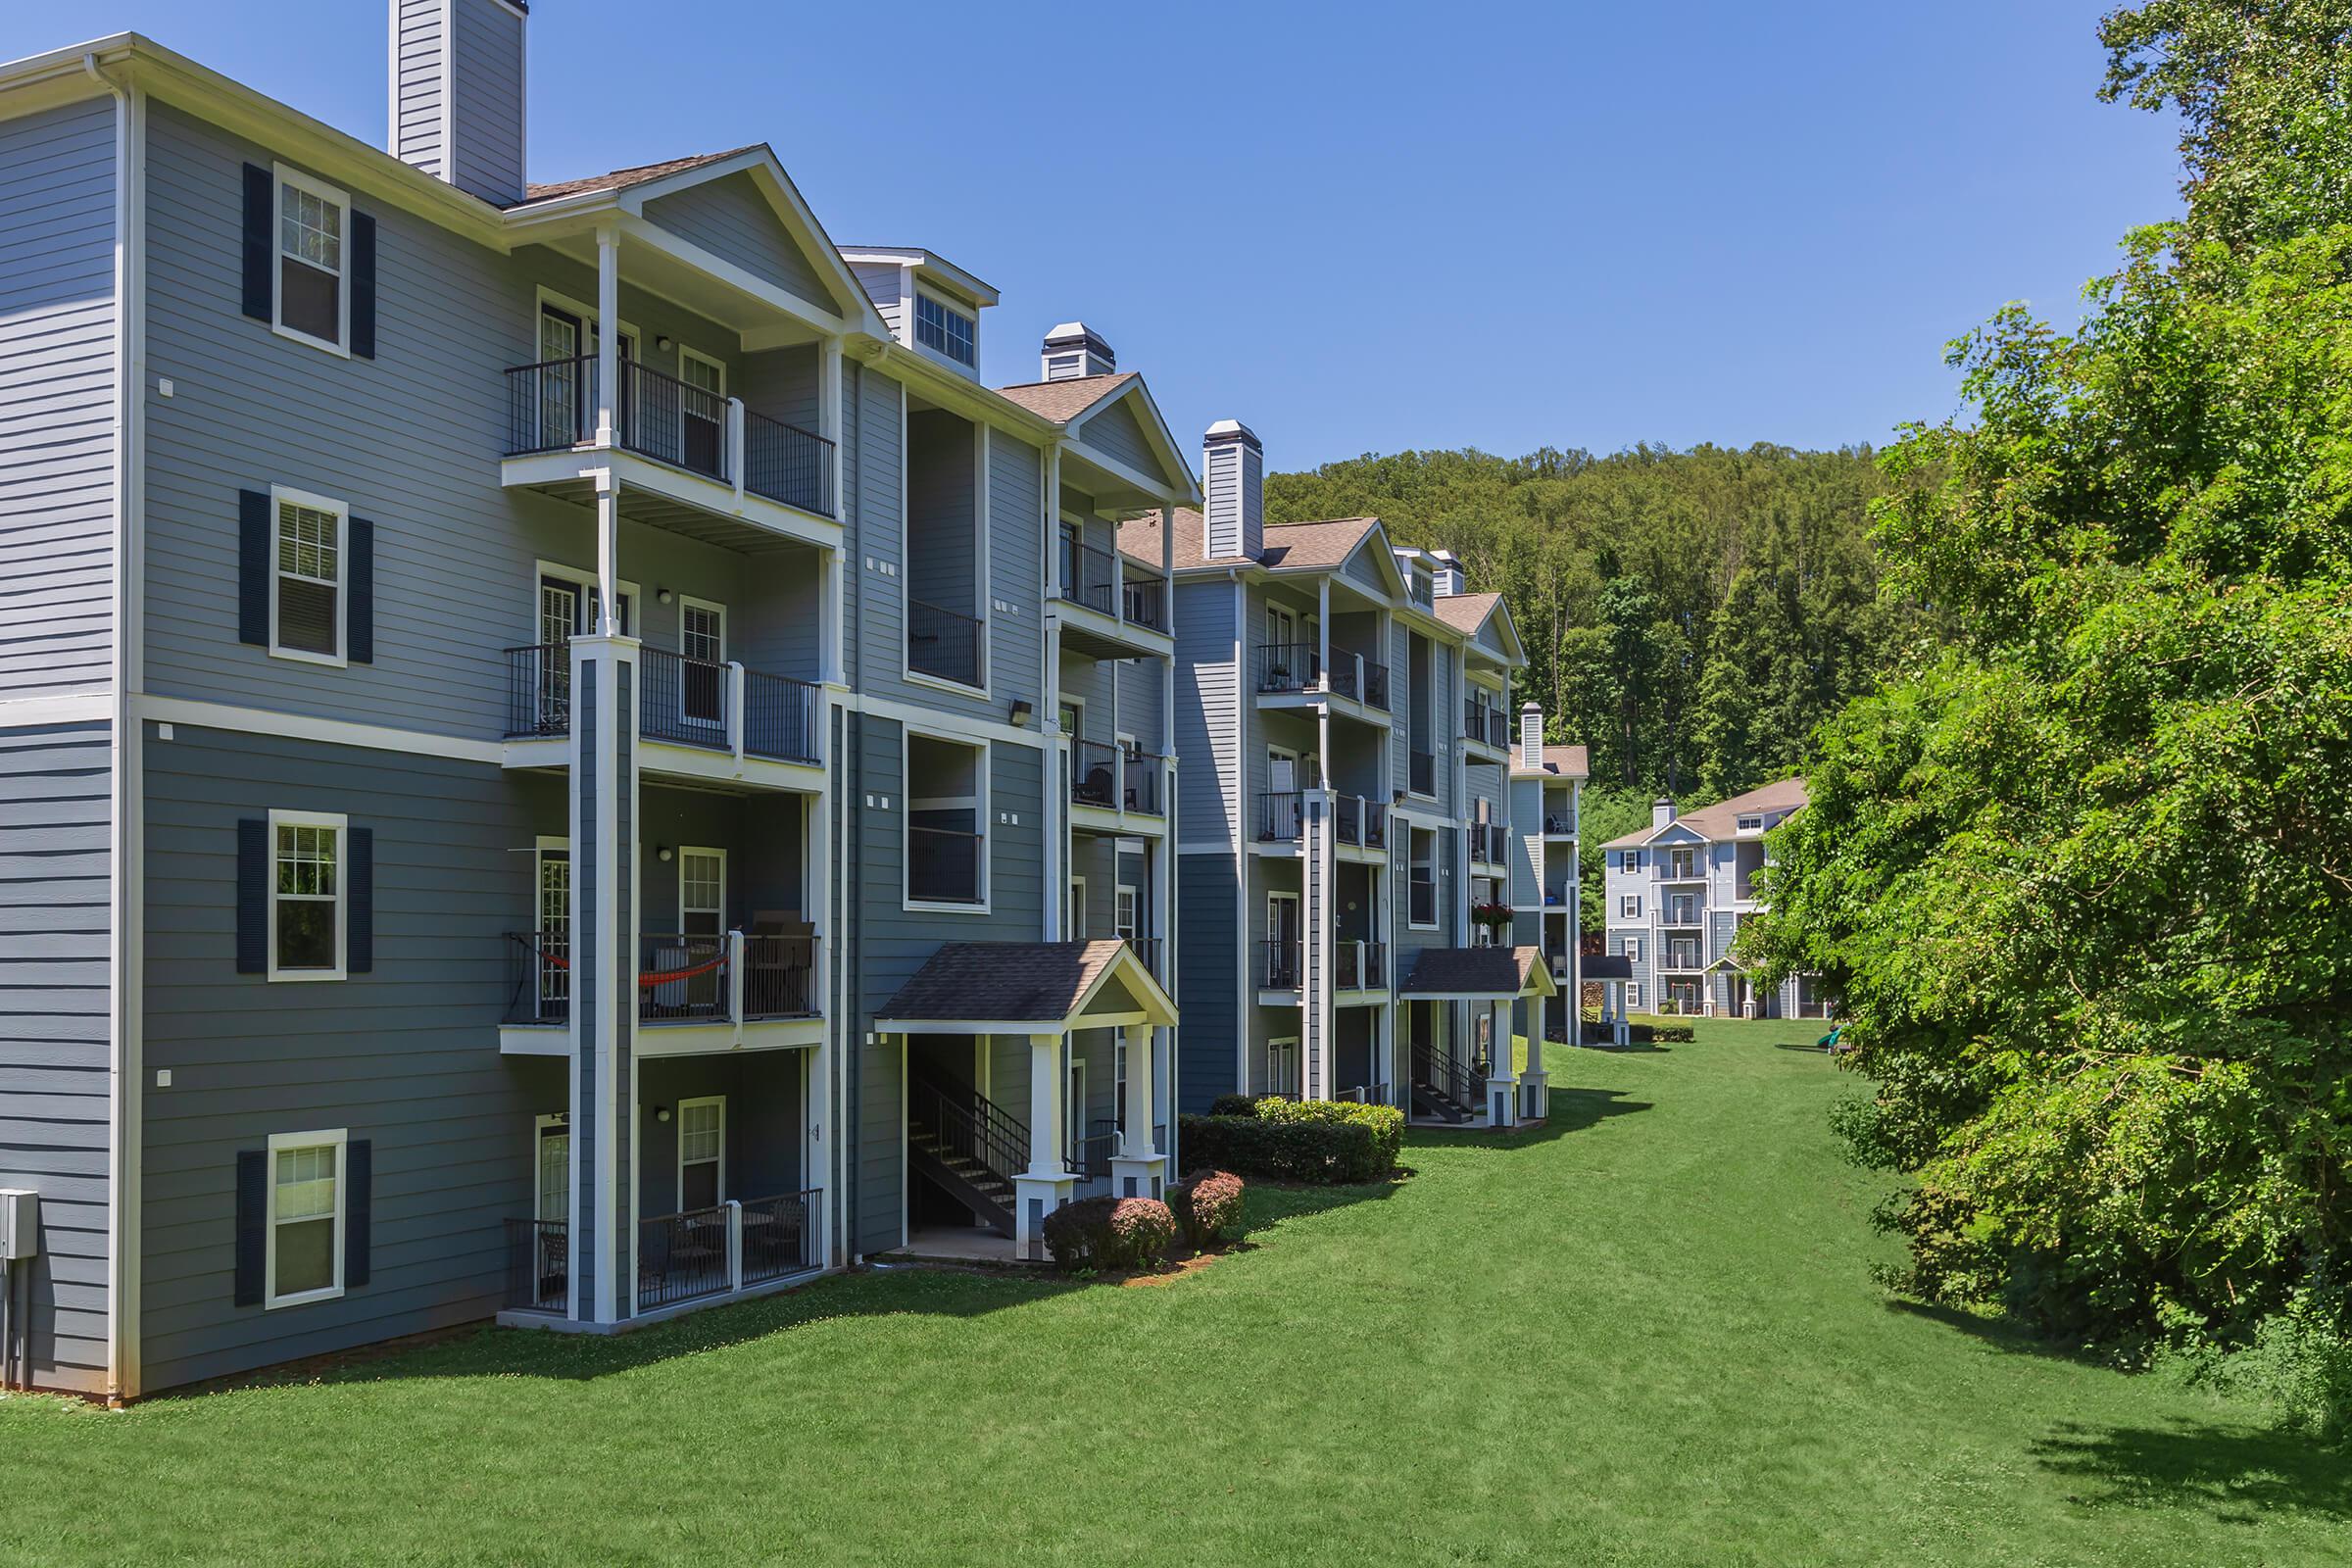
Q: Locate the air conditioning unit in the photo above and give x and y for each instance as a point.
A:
(20, 1223)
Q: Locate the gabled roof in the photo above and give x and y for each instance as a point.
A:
(1471, 613)
(1070, 403)
(1559, 762)
(1016, 987)
(1604, 966)
(1289, 546)
(1721, 820)
(623, 179)
(1497, 972)
(1064, 401)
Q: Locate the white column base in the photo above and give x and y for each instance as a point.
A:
(1137, 1175)
(1502, 1102)
(1034, 1197)
(1535, 1095)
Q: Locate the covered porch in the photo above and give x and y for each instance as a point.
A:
(1465, 1006)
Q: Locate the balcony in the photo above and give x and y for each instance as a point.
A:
(1485, 724)
(1287, 668)
(1682, 957)
(1297, 669)
(1559, 824)
(1359, 679)
(1359, 966)
(1090, 577)
(1144, 602)
(735, 977)
(1122, 779)
(1422, 902)
(696, 1255)
(1421, 775)
(943, 644)
(721, 708)
(1281, 816)
(1147, 950)
(553, 407)
(1115, 610)
(1358, 822)
(1489, 844)
(1280, 966)
(942, 864)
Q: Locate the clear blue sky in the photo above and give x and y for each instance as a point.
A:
(1373, 226)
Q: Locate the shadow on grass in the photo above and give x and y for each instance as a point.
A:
(2237, 1474)
(485, 1351)
(1266, 1204)
(1571, 1111)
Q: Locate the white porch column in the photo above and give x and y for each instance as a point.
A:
(1139, 1168)
(1535, 1091)
(1046, 1184)
(608, 332)
(1502, 1077)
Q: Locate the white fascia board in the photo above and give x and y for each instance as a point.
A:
(1155, 426)
(800, 219)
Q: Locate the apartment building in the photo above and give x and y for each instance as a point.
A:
(565, 756)
(1341, 810)
(1547, 800)
(1678, 890)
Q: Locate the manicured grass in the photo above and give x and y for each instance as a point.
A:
(1643, 1335)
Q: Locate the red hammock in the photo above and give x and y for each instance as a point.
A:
(659, 977)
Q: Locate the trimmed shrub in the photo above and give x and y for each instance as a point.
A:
(1110, 1233)
(1300, 1140)
(1207, 1203)
(1232, 1105)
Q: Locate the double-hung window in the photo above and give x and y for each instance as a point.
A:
(1629, 906)
(701, 1154)
(312, 290)
(1422, 889)
(941, 326)
(307, 609)
(304, 1257)
(305, 896)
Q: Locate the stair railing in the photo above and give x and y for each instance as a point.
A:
(968, 1124)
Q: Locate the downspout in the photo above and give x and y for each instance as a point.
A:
(123, 1087)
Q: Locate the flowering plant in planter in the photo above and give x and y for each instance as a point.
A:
(1494, 916)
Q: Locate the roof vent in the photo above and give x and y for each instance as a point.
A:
(1073, 350)
(1234, 518)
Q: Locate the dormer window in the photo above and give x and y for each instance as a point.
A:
(941, 326)
(1751, 824)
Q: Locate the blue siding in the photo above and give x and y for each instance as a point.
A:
(56, 858)
(1117, 431)
(486, 108)
(1209, 698)
(57, 399)
(733, 219)
(418, 91)
(1210, 990)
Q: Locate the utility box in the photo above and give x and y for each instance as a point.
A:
(20, 1223)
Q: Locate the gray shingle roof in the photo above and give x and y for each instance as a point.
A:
(1474, 972)
(1559, 762)
(1063, 400)
(1289, 546)
(1720, 820)
(1002, 982)
(620, 179)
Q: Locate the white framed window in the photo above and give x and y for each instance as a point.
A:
(702, 890)
(1632, 860)
(1633, 949)
(701, 1152)
(703, 643)
(1751, 824)
(1077, 908)
(1124, 913)
(1421, 912)
(1629, 906)
(946, 863)
(304, 1249)
(940, 326)
(306, 895)
(307, 602)
(1073, 1111)
(550, 1166)
(310, 290)
(1282, 1066)
(1633, 993)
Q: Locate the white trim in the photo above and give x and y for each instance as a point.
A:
(539, 1126)
(338, 1139)
(983, 767)
(280, 497)
(307, 727)
(1411, 924)
(688, 602)
(280, 177)
(721, 1101)
(342, 829)
(719, 855)
(1075, 908)
(1291, 1040)
(67, 707)
(584, 579)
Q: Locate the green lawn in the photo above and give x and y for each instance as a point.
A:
(1644, 1334)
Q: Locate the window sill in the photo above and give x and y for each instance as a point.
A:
(916, 677)
(280, 976)
(934, 907)
(297, 335)
(300, 656)
(330, 1292)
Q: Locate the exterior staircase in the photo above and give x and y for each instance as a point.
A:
(1445, 1092)
(968, 1146)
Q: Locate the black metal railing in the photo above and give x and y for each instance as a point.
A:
(785, 463)
(1345, 676)
(1145, 771)
(551, 405)
(1359, 966)
(680, 1256)
(1089, 577)
(1376, 685)
(1460, 1082)
(1348, 818)
(1144, 602)
(1487, 724)
(538, 1265)
(779, 978)
(942, 864)
(1280, 815)
(539, 689)
(780, 1234)
(1421, 775)
(680, 700)
(1364, 1094)
(1556, 822)
(1146, 949)
(1376, 824)
(968, 1126)
(539, 976)
(1489, 843)
(1090, 1156)
(682, 979)
(1095, 774)
(1289, 667)
(942, 641)
(1280, 964)
(1422, 902)
(781, 717)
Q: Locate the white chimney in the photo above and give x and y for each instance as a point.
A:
(1661, 812)
(1232, 468)
(1447, 577)
(1531, 739)
(461, 122)
(1073, 350)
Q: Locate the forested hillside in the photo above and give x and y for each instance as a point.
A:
(1690, 616)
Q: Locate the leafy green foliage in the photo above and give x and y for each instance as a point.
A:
(2082, 880)
(1300, 1140)
(1690, 616)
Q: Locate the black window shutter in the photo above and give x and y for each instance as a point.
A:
(261, 227)
(359, 613)
(253, 568)
(359, 873)
(253, 896)
(363, 285)
(358, 1175)
(253, 1224)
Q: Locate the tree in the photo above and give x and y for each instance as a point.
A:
(2083, 880)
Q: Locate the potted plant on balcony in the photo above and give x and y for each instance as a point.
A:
(1495, 917)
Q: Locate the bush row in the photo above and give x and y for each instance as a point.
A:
(1300, 1140)
(1207, 1205)
(1110, 1233)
